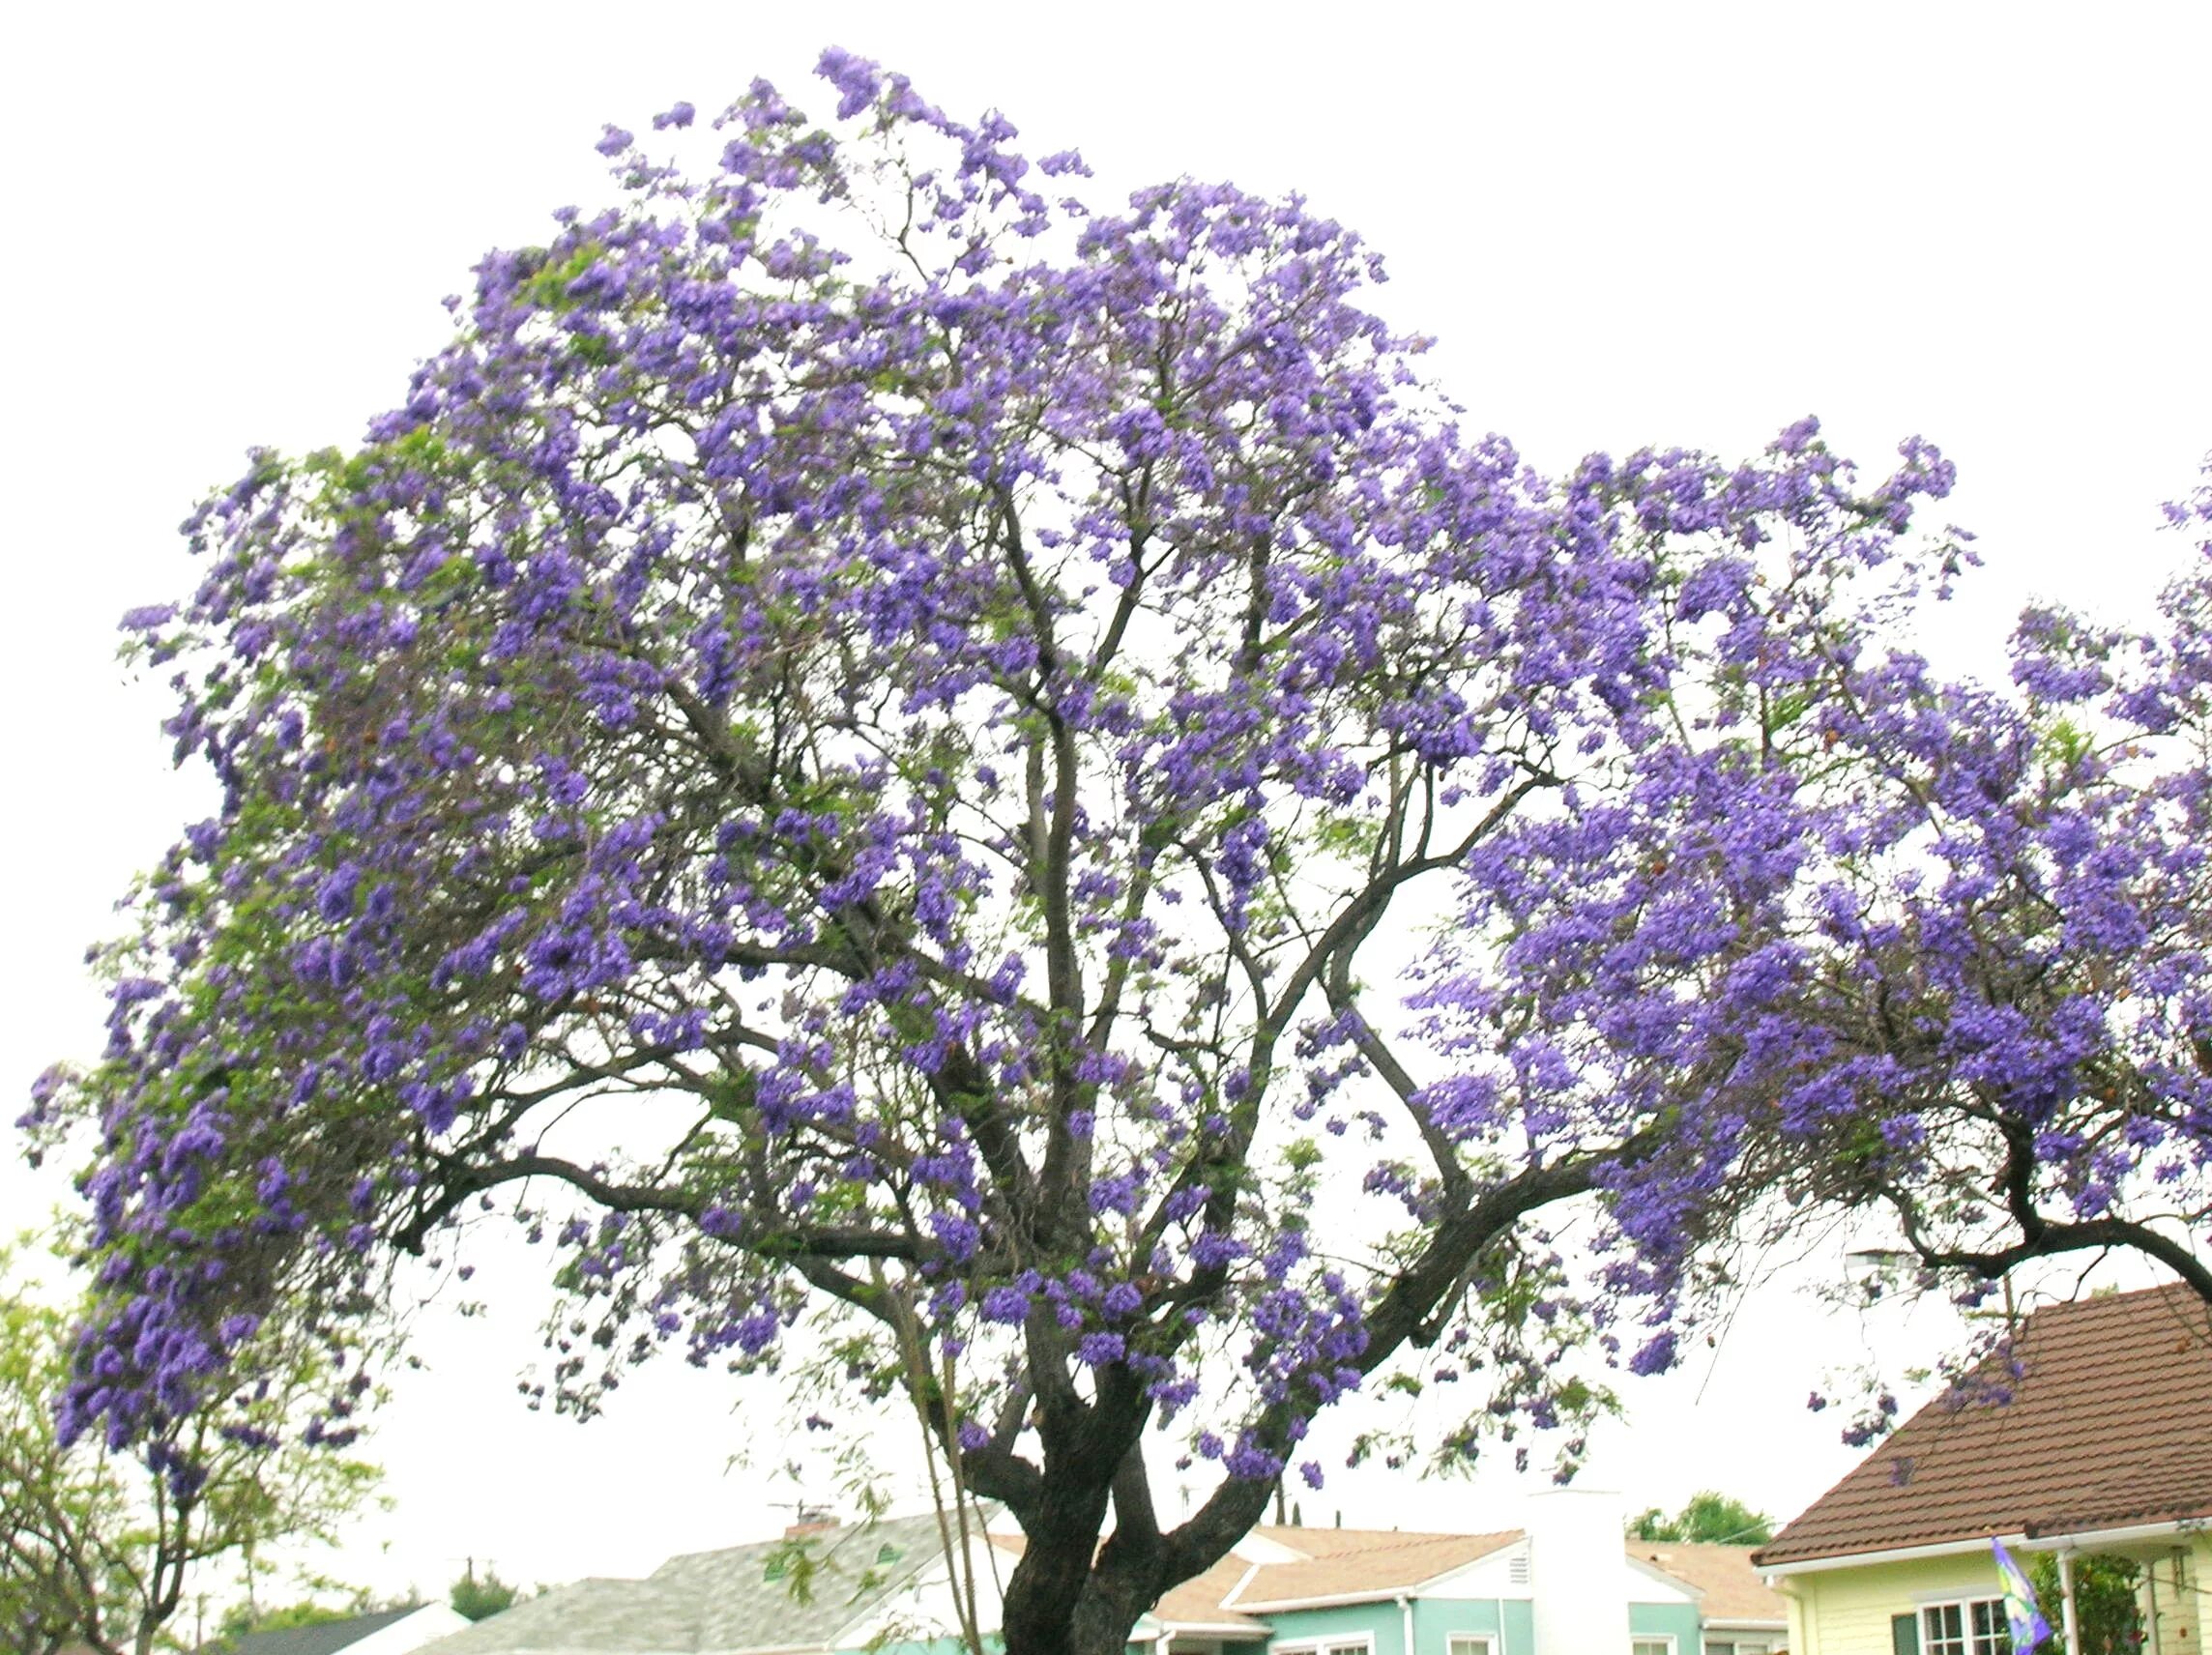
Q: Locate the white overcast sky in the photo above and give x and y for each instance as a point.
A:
(1682, 223)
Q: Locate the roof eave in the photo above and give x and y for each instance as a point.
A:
(1333, 1600)
(1215, 1629)
(2072, 1540)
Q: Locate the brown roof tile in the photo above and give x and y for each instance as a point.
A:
(1732, 1588)
(1197, 1601)
(2108, 1424)
(1351, 1561)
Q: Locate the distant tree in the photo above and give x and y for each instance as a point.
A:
(100, 1541)
(2103, 1600)
(241, 1618)
(476, 1596)
(1709, 1518)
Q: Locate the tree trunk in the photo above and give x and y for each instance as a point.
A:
(1051, 1580)
(1071, 1595)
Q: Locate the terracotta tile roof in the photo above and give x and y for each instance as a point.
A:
(2106, 1426)
(1335, 1542)
(1199, 1602)
(1733, 1590)
(1337, 1562)
(1347, 1561)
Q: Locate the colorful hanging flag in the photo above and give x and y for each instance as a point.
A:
(2028, 1627)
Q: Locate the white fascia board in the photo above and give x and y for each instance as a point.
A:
(1254, 1547)
(410, 1631)
(1366, 1595)
(2074, 1541)
(1334, 1599)
(1217, 1629)
(1657, 1573)
(1894, 1555)
(1495, 1562)
(2079, 1539)
(1743, 1624)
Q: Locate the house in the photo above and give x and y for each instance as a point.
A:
(387, 1632)
(2092, 1434)
(1566, 1583)
(1738, 1612)
(819, 1589)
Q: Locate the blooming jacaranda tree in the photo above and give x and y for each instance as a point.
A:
(899, 767)
(1952, 974)
(100, 1548)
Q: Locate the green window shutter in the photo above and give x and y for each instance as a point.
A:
(1905, 1634)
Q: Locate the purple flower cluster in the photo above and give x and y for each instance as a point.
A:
(876, 733)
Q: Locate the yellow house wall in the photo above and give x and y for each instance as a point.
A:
(2182, 1583)
(1846, 1611)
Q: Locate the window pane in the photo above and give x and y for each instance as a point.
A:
(1991, 1636)
(1470, 1643)
(1648, 1647)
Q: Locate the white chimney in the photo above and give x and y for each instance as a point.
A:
(1577, 1572)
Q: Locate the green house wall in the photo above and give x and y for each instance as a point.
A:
(1378, 1621)
(1511, 1621)
(1679, 1621)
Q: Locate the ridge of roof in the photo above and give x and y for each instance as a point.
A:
(1392, 1563)
(2070, 1437)
(1723, 1575)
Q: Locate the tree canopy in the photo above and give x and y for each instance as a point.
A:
(877, 744)
(2107, 1615)
(474, 1597)
(1708, 1517)
(99, 1544)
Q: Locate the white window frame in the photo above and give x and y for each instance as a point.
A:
(1453, 1640)
(1999, 1637)
(1637, 1641)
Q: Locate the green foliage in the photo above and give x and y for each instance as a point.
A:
(97, 1547)
(477, 1596)
(1709, 1517)
(241, 1618)
(2103, 1600)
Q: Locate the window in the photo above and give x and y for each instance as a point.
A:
(1335, 1646)
(1974, 1627)
(1471, 1644)
(1739, 1647)
(1651, 1646)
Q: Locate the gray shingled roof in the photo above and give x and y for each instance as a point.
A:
(714, 1603)
(324, 1638)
